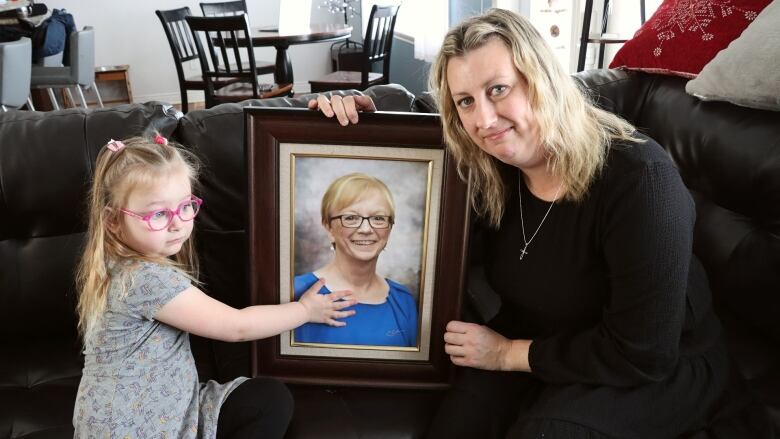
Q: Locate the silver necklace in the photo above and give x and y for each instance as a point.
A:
(523, 252)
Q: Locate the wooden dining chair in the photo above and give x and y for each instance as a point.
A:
(226, 57)
(376, 48)
(237, 7)
(184, 52)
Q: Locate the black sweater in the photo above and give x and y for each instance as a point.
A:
(609, 291)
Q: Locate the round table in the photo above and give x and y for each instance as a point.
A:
(316, 33)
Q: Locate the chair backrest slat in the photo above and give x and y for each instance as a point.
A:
(235, 37)
(184, 45)
(223, 61)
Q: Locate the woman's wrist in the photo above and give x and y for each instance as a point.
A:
(516, 356)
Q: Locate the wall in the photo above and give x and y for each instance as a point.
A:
(129, 32)
(407, 71)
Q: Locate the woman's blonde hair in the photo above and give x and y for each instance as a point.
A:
(574, 134)
(140, 163)
(347, 189)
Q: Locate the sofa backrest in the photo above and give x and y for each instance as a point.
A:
(46, 162)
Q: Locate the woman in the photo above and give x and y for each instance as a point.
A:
(606, 327)
(358, 214)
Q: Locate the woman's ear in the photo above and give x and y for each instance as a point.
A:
(329, 231)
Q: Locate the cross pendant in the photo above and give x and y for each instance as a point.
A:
(523, 252)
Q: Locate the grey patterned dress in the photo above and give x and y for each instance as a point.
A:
(139, 378)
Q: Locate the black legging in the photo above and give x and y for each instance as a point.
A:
(258, 407)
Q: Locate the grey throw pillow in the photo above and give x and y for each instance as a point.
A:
(747, 72)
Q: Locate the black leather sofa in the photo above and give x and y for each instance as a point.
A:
(729, 157)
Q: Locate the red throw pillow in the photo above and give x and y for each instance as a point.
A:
(684, 35)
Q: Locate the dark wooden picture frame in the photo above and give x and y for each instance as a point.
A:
(268, 130)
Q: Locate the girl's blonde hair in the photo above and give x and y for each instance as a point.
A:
(139, 164)
(574, 134)
(347, 189)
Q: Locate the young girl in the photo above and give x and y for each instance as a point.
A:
(137, 303)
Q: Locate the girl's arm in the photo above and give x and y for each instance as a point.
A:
(195, 312)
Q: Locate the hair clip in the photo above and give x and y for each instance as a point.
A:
(115, 145)
(160, 140)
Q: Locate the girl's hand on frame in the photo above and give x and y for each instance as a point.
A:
(345, 108)
(477, 346)
(325, 308)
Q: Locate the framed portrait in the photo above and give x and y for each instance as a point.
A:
(381, 196)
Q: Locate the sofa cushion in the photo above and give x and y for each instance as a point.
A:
(355, 413)
(684, 35)
(38, 388)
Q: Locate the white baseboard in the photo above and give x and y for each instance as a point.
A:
(198, 96)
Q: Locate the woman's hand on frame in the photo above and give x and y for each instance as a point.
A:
(477, 346)
(345, 108)
(326, 308)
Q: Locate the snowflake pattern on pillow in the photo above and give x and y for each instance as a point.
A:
(684, 35)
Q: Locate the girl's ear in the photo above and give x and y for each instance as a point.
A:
(112, 220)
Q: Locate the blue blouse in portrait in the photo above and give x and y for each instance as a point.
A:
(392, 323)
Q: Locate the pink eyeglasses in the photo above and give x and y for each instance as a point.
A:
(162, 218)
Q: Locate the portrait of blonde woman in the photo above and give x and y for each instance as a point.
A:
(358, 213)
